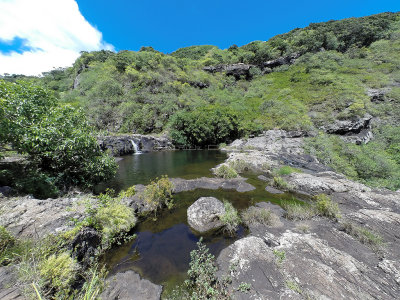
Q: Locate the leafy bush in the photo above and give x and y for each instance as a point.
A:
(263, 216)
(130, 192)
(59, 272)
(212, 124)
(114, 220)
(159, 193)
(203, 282)
(225, 171)
(57, 138)
(230, 219)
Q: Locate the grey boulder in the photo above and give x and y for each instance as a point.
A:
(204, 214)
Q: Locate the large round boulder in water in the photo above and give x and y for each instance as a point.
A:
(204, 214)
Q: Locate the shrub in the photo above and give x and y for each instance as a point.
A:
(130, 192)
(159, 193)
(230, 218)
(203, 282)
(295, 211)
(114, 220)
(6, 239)
(225, 171)
(212, 124)
(325, 207)
(254, 215)
(240, 165)
(59, 272)
(281, 183)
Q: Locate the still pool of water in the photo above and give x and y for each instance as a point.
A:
(161, 250)
(142, 168)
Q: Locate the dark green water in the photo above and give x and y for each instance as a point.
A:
(161, 251)
(143, 168)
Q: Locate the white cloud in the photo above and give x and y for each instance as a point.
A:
(54, 30)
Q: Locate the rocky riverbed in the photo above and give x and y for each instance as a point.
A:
(313, 258)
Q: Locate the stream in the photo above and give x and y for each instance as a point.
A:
(161, 250)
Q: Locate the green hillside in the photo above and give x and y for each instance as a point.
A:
(337, 65)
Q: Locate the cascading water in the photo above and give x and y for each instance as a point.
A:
(135, 147)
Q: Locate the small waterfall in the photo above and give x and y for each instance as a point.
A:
(135, 148)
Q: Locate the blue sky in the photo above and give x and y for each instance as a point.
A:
(40, 35)
(169, 25)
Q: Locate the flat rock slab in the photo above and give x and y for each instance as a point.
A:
(204, 214)
(273, 190)
(129, 286)
(184, 185)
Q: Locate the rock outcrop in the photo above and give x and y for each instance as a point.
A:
(129, 144)
(280, 61)
(317, 258)
(34, 218)
(128, 286)
(272, 148)
(244, 70)
(378, 95)
(356, 130)
(237, 70)
(204, 214)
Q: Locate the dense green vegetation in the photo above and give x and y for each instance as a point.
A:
(61, 150)
(151, 92)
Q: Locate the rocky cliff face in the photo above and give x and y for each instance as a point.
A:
(129, 144)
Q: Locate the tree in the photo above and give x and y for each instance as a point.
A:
(57, 139)
(212, 124)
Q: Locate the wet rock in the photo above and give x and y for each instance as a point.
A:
(85, 245)
(129, 286)
(129, 144)
(34, 218)
(238, 184)
(273, 190)
(204, 214)
(263, 178)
